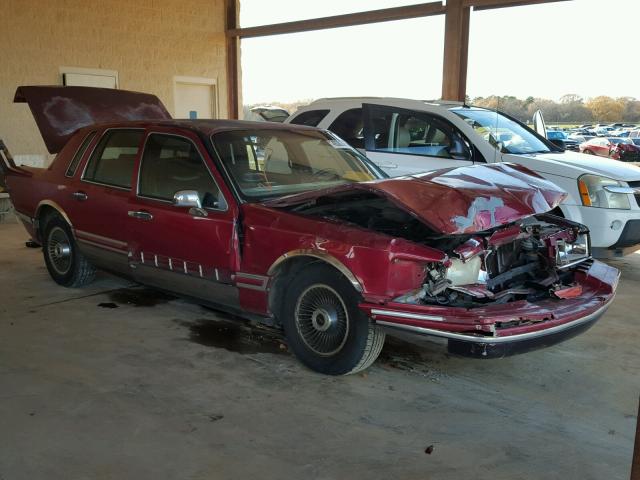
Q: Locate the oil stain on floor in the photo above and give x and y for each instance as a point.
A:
(234, 335)
(139, 297)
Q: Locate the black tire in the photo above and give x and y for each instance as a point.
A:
(324, 327)
(65, 263)
(588, 152)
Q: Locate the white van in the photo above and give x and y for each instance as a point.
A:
(404, 137)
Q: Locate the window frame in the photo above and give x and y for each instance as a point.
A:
(202, 158)
(368, 110)
(83, 148)
(93, 150)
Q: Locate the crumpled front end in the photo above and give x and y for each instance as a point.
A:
(506, 291)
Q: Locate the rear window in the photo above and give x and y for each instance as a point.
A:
(311, 118)
(113, 159)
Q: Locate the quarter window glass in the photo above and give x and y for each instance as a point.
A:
(171, 164)
(311, 118)
(113, 160)
(348, 126)
(411, 133)
(79, 154)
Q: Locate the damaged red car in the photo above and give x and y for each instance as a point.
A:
(291, 226)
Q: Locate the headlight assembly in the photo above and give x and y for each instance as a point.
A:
(603, 192)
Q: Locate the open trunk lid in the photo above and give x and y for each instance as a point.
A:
(456, 200)
(60, 111)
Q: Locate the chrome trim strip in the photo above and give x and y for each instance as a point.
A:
(170, 264)
(251, 287)
(334, 262)
(100, 245)
(252, 275)
(414, 316)
(115, 242)
(492, 340)
(200, 271)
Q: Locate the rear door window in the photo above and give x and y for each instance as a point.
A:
(404, 131)
(310, 118)
(113, 160)
(349, 127)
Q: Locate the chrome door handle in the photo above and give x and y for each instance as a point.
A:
(80, 196)
(140, 214)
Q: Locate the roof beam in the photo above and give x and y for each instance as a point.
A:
(232, 45)
(456, 51)
(491, 4)
(337, 21)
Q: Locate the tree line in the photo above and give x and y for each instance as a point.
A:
(569, 109)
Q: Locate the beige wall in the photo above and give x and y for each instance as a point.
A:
(147, 42)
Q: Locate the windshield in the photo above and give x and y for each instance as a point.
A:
(502, 132)
(272, 163)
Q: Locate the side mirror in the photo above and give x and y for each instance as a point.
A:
(191, 200)
(187, 198)
(459, 149)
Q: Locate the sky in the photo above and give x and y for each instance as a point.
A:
(547, 50)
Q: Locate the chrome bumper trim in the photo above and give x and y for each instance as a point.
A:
(413, 316)
(493, 340)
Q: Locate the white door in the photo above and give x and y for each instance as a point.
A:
(194, 100)
(404, 142)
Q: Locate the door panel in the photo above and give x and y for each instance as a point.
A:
(100, 200)
(176, 248)
(404, 142)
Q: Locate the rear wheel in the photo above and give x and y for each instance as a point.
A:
(324, 326)
(588, 152)
(65, 263)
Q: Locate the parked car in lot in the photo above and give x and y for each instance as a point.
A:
(617, 148)
(562, 140)
(311, 237)
(268, 113)
(404, 137)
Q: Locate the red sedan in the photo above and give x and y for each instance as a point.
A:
(290, 226)
(613, 147)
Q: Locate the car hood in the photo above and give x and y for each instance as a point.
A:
(573, 164)
(457, 200)
(60, 111)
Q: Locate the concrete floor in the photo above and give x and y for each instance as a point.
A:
(115, 381)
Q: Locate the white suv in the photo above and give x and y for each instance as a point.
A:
(404, 137)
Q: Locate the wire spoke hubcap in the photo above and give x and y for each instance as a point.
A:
(59, 250)
(322, 319)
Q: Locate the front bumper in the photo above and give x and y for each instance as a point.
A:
(606, 225)
(506, 329)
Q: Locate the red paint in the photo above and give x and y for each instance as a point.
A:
(60, 111)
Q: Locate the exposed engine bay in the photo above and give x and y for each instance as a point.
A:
(531, 259)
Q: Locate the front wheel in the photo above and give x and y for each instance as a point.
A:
(65, 263)
(588, 152)
(324, 326)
